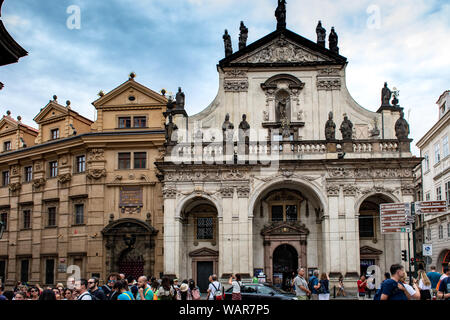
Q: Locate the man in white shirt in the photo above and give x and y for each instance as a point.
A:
(82, 289)
(301, 286)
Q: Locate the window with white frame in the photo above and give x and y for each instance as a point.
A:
(441, 232)
(438, 193)
(426, 162)
(437, 153)
(428, 196)
(445, 149)
(429, 234)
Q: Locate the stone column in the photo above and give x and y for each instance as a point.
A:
(331, 230)
(351, 235)
(172, 233)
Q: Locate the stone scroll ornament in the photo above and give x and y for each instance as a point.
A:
(330, 128)
(227, 44)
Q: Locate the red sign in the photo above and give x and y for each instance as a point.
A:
(431, 207)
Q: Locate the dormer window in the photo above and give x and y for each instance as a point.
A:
(125, 123)
(54, 134)
(7, 146)
(443, 108)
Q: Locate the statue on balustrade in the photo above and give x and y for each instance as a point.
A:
(347, 129)
(330, 128)
(280, 14)
(244, 128)
(227, 43)
(243, 36)
(228, 129)
(402, 127)
(171, 131)
(386, 95)
(180, 99)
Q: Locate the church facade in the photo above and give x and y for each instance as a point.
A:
(284, 169)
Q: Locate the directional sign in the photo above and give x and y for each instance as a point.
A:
(394, 217)
(431, 207)
(427, 250)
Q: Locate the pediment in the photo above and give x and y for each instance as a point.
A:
(366, 250)
(204, 252)
(285, 228)
(7, 125)
(50, 111)
(283, 47)
(120, 96)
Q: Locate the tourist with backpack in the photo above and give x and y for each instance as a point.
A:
(324, 287)
(82, 290)
(122, 287)
(236, 282)
(166, 291)
(144, 290)
(215, 289)
(313, 285)
(94, 290)
(392, 289)
(194, 290)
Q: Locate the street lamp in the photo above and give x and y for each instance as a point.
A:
(2, 229)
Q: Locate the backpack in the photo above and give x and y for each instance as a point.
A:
(310, 284)
(218, 293)
(195, 294)
(164, 296)
(377, 295)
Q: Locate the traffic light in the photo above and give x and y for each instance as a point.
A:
(412, 261)
(404, 255)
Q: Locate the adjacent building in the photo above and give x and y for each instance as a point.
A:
(77, 193)
(434, 180)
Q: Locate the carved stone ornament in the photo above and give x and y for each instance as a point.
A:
(280, 51)
(96, 155)
(408, 190)
(333, 190)
(64, 178)
(235, 73)
(227, 192)
(377, 189)
(243, 192)
(236, 85)
(329, 84)
(340, 173)
(350, 190)
(96, 174)
(64, 160)
(38, 183)
(38, 166)
(13, 187)
(15, 170)
(169, 193)
(365, 173)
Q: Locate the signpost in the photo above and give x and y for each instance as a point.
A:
(395, 218)
(431, 207)
(427, 250)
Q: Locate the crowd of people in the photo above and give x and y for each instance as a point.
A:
(427, 286)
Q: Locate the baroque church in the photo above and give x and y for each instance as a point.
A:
(284, 169)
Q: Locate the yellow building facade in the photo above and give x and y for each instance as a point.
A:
(83, 196)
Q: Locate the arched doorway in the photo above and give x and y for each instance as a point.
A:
(443, 260)
(285, 265)
(130, 247)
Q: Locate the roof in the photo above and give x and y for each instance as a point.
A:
(332, 58)
(442, 95)
(10, 119)
(10, 50)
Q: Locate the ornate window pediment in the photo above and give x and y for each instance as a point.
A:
(366, 250)
(285, 228)
(204, 252)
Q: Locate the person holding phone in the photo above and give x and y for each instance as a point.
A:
(236, 282)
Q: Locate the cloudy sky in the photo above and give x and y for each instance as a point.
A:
(171, 43)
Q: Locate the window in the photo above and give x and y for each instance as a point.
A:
(51, 217)
(81, 164)
(448, 230)
(2, 271)
(437, 154)
(441, 232)
(447, 192)
(7, 146)
(443, 108)
(426, 162)
(4, 219)
(429, 234)
(28, 174)
(277, 213)
(140, 160)
(445, 149)
(428, 196)
(49, 271)
(366, 226)
(205, 228)
(5, 178)
(438, 193)
(124, 122)
(125, 160)
(24, 270)
(79, 214)
(54, 134)
(140, 122)
(27, 219)
(291, 213)
(53, 169)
